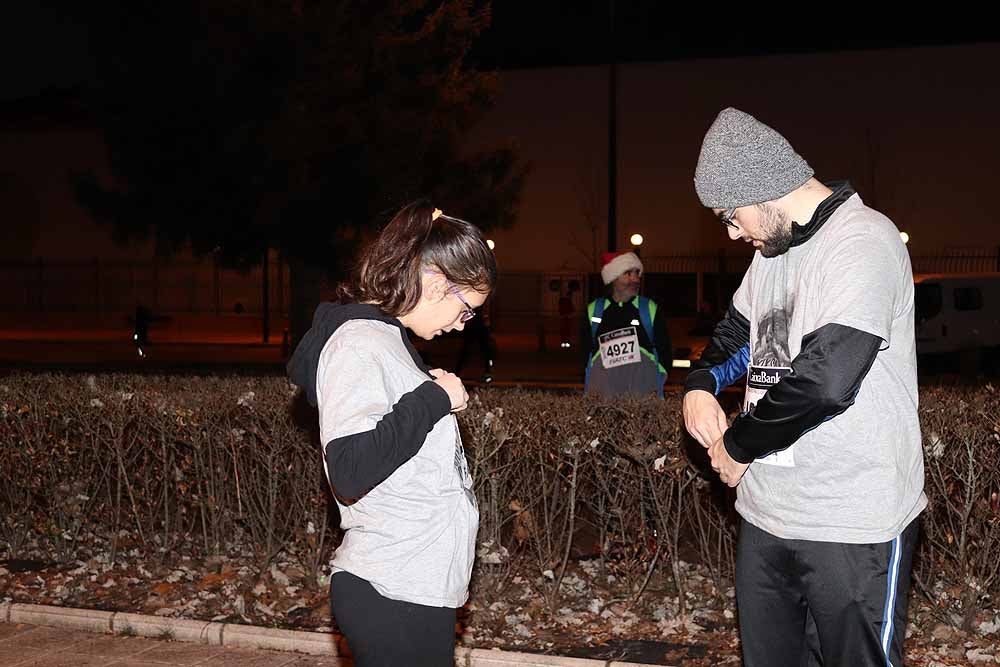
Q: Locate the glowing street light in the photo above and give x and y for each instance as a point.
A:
(905, 237)
(636, 239)
(491, 244)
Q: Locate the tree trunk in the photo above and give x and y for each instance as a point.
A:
(306, 286)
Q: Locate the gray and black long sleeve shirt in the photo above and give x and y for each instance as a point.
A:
(824, 334)
(393, 455)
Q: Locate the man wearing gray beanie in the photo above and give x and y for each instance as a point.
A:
(826, 454)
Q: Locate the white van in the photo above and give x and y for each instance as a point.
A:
(956, 312)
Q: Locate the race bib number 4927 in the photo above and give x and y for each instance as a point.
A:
(619, 347)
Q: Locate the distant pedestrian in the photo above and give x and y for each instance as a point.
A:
(140, 328)
(566, 321)
(624, 336)
(477, 334)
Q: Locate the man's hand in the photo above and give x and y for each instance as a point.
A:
(703, 417)
(730, 471)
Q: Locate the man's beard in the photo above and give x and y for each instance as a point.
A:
(626, 293)
(775, 229)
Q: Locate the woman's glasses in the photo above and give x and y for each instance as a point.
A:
(468, 313)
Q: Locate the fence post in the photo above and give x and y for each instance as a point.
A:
(718, 281)
(699, 289)
(281, 282)
(97, 288)
(216, 287)
(540, 317)
(156, 285)
(265, 287)
(41, 284)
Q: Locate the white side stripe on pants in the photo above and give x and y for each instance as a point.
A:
(890, 598)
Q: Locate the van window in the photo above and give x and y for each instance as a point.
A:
(928, 301)
(968, 298)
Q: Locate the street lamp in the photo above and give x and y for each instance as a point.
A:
(905, 237)
(491, 244)
(636, 239)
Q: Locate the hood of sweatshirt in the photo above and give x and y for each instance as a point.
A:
(304, 364)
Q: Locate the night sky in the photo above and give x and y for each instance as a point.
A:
(577, 32)
(44, 46)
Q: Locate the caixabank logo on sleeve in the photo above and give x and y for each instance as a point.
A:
(759, 380)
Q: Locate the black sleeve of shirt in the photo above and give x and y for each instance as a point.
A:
(825, 379)
(359, 462)
(730, 335)
(664, 350)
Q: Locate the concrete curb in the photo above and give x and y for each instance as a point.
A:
(234, 635)
(60, 617)
(179, 629)
(478, 657)
(250, 636)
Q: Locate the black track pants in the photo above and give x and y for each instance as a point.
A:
(803, 603)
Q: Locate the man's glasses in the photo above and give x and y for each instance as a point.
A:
(468, 313)
(726, 217)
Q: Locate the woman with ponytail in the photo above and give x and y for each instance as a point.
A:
(391, 445)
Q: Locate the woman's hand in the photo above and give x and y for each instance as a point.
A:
(452, 384)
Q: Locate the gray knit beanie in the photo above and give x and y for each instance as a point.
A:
(744, 162)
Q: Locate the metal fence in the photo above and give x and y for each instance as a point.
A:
(683, 284)
(967, 261)
(167, 287)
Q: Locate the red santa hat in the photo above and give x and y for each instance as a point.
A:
(617, 263)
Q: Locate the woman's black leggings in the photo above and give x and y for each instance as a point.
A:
(390, 633)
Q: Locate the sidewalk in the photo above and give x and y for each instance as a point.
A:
(44, 636)
(39, 646)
